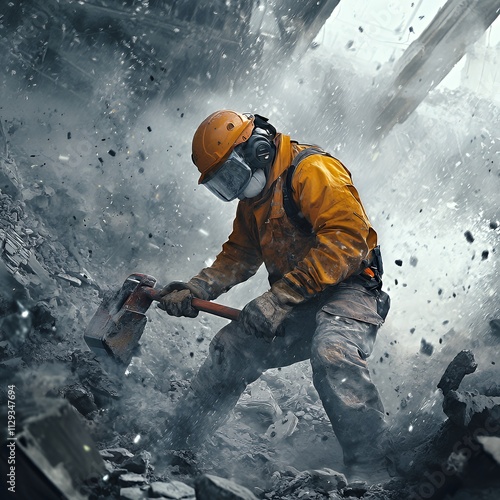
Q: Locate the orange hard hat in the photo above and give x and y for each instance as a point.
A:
(217, 136)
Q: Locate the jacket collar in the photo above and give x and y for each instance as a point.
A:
(284, 157)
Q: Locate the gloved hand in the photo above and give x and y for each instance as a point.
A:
(176, 299)
(264, 315)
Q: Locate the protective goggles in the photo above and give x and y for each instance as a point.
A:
(230, 179)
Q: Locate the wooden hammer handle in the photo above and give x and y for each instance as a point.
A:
(201, 305)
(217, 309)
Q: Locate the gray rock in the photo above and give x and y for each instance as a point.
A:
(35, 267)
(174, 490)
(322, 481)
(112, 471)
(491, 445)
(426, 347)
(131, 478)
(83, 276)
(290, 471)
(210, 487)
(282, 428)
(9, 176)
(70, 279)
(6, 350)
(94, 376)
(462, 365)
(44, 318)
(81, 398)
(116, 455)
(461, 407)
(327, 479)
(132, 493)
(139, 463)
(57, 445)
(356, 489)
(259, 402)
(495, 326)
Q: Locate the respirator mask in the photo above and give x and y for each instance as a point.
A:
(244, 173)
(231, 179)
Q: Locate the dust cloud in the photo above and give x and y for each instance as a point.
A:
(102, 164)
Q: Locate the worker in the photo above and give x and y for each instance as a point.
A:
(299, 215)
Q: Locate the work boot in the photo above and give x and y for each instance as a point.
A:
(379, 464)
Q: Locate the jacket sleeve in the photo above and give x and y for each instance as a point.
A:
(239, 259)
(324, 192)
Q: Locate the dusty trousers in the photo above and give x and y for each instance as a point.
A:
(336, 332)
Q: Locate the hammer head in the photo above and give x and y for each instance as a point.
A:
(119, 322)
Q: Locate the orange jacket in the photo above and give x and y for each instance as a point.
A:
(301, 264)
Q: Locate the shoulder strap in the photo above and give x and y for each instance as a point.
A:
(291, 209)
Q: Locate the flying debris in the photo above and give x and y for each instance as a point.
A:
(99, 100)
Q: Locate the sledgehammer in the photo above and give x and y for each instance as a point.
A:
(119, 322)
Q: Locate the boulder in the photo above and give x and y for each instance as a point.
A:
(210, 487)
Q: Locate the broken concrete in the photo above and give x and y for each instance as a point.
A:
(131, 478)
(93, 376)
(209, 487)
(175, 490)
(462, 365)
(451, 457)
(116, 455)
(81, 398)
(54, 450)
(463, 407)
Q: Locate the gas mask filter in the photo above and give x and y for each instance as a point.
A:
(255, 186)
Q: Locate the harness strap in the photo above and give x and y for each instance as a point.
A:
(291, 209)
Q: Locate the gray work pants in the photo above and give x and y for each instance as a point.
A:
(336, 332)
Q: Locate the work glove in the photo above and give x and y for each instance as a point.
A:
(264, 315)
(176, 299)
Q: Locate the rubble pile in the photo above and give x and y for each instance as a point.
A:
(19, 242)
(97, 202)
(459, 456)
(39, 311)
(459, 461)
(50, 296)
(32, 253)
(132, 477)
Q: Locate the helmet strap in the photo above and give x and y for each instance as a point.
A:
(262, 122)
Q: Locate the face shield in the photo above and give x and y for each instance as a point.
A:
(230, 180)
